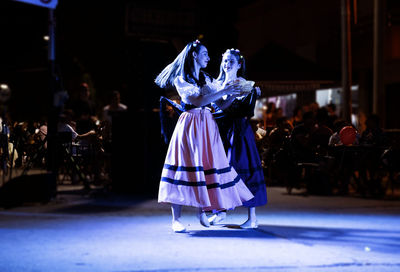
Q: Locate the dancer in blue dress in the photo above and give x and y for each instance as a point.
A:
(238, 136)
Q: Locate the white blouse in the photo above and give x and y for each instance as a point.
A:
(187, 90)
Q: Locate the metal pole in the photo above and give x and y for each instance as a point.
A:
(378, 85)
(346, 60)
(52, 111)
(52, 35)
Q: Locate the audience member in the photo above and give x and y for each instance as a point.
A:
(297, 117)
(332, 116)
(334, 140)
(65, 125)
(301, 137)
(313, 107)
(84, 110)
(320, 135)
(279, 134)
(373, 134)
(269, 116)
(114, 108)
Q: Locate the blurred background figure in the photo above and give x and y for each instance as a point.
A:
(269, 116)
(84, 111)
(373, 134)
(109, 111)
(335, 140)
(332, 115)
(297, 117)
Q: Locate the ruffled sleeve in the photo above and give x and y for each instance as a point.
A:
(214, 85)
(187, 90)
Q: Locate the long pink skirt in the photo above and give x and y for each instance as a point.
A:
(196, 170)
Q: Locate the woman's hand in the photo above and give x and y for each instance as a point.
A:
(233, 88)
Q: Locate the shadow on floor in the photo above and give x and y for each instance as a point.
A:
(365, 239)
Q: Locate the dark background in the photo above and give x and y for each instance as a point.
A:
(123, 45)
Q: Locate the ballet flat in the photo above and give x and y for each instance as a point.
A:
(252, 225)
(178, 226)
(217, 218)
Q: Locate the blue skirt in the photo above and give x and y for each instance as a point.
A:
(243, 155)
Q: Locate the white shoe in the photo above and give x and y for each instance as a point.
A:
(249, 225)
(217, 218)
(203, 219)
(178, 226)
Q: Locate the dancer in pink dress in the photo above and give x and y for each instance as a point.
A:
(196, 170)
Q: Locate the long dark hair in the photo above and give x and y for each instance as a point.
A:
(240, 59)
(183, 65)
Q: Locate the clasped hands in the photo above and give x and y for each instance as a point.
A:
(240, 87)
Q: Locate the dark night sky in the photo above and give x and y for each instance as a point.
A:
(281, 40)
(91, 45)
(285, 40)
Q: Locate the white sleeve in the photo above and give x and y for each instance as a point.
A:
(192, 94)
(214, 85)
(185, 89)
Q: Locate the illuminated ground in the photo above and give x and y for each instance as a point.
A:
(122, 234)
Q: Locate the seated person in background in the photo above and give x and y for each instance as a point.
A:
(83, 110)
(297, 117)
(277, 139)
(279, 134)
(300, 139)
(259, 133)
(373, 134)
(321, 133)
(65, 125)
(334, 140)
(42, 132)
(331, 108)
(343, 130)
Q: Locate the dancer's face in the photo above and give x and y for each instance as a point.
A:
(230, 63)
(202, 57)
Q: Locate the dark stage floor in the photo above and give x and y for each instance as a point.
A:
(105, 232)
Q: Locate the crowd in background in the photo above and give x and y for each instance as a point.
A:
(305, 149)
(82, 142)
(316, 149)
